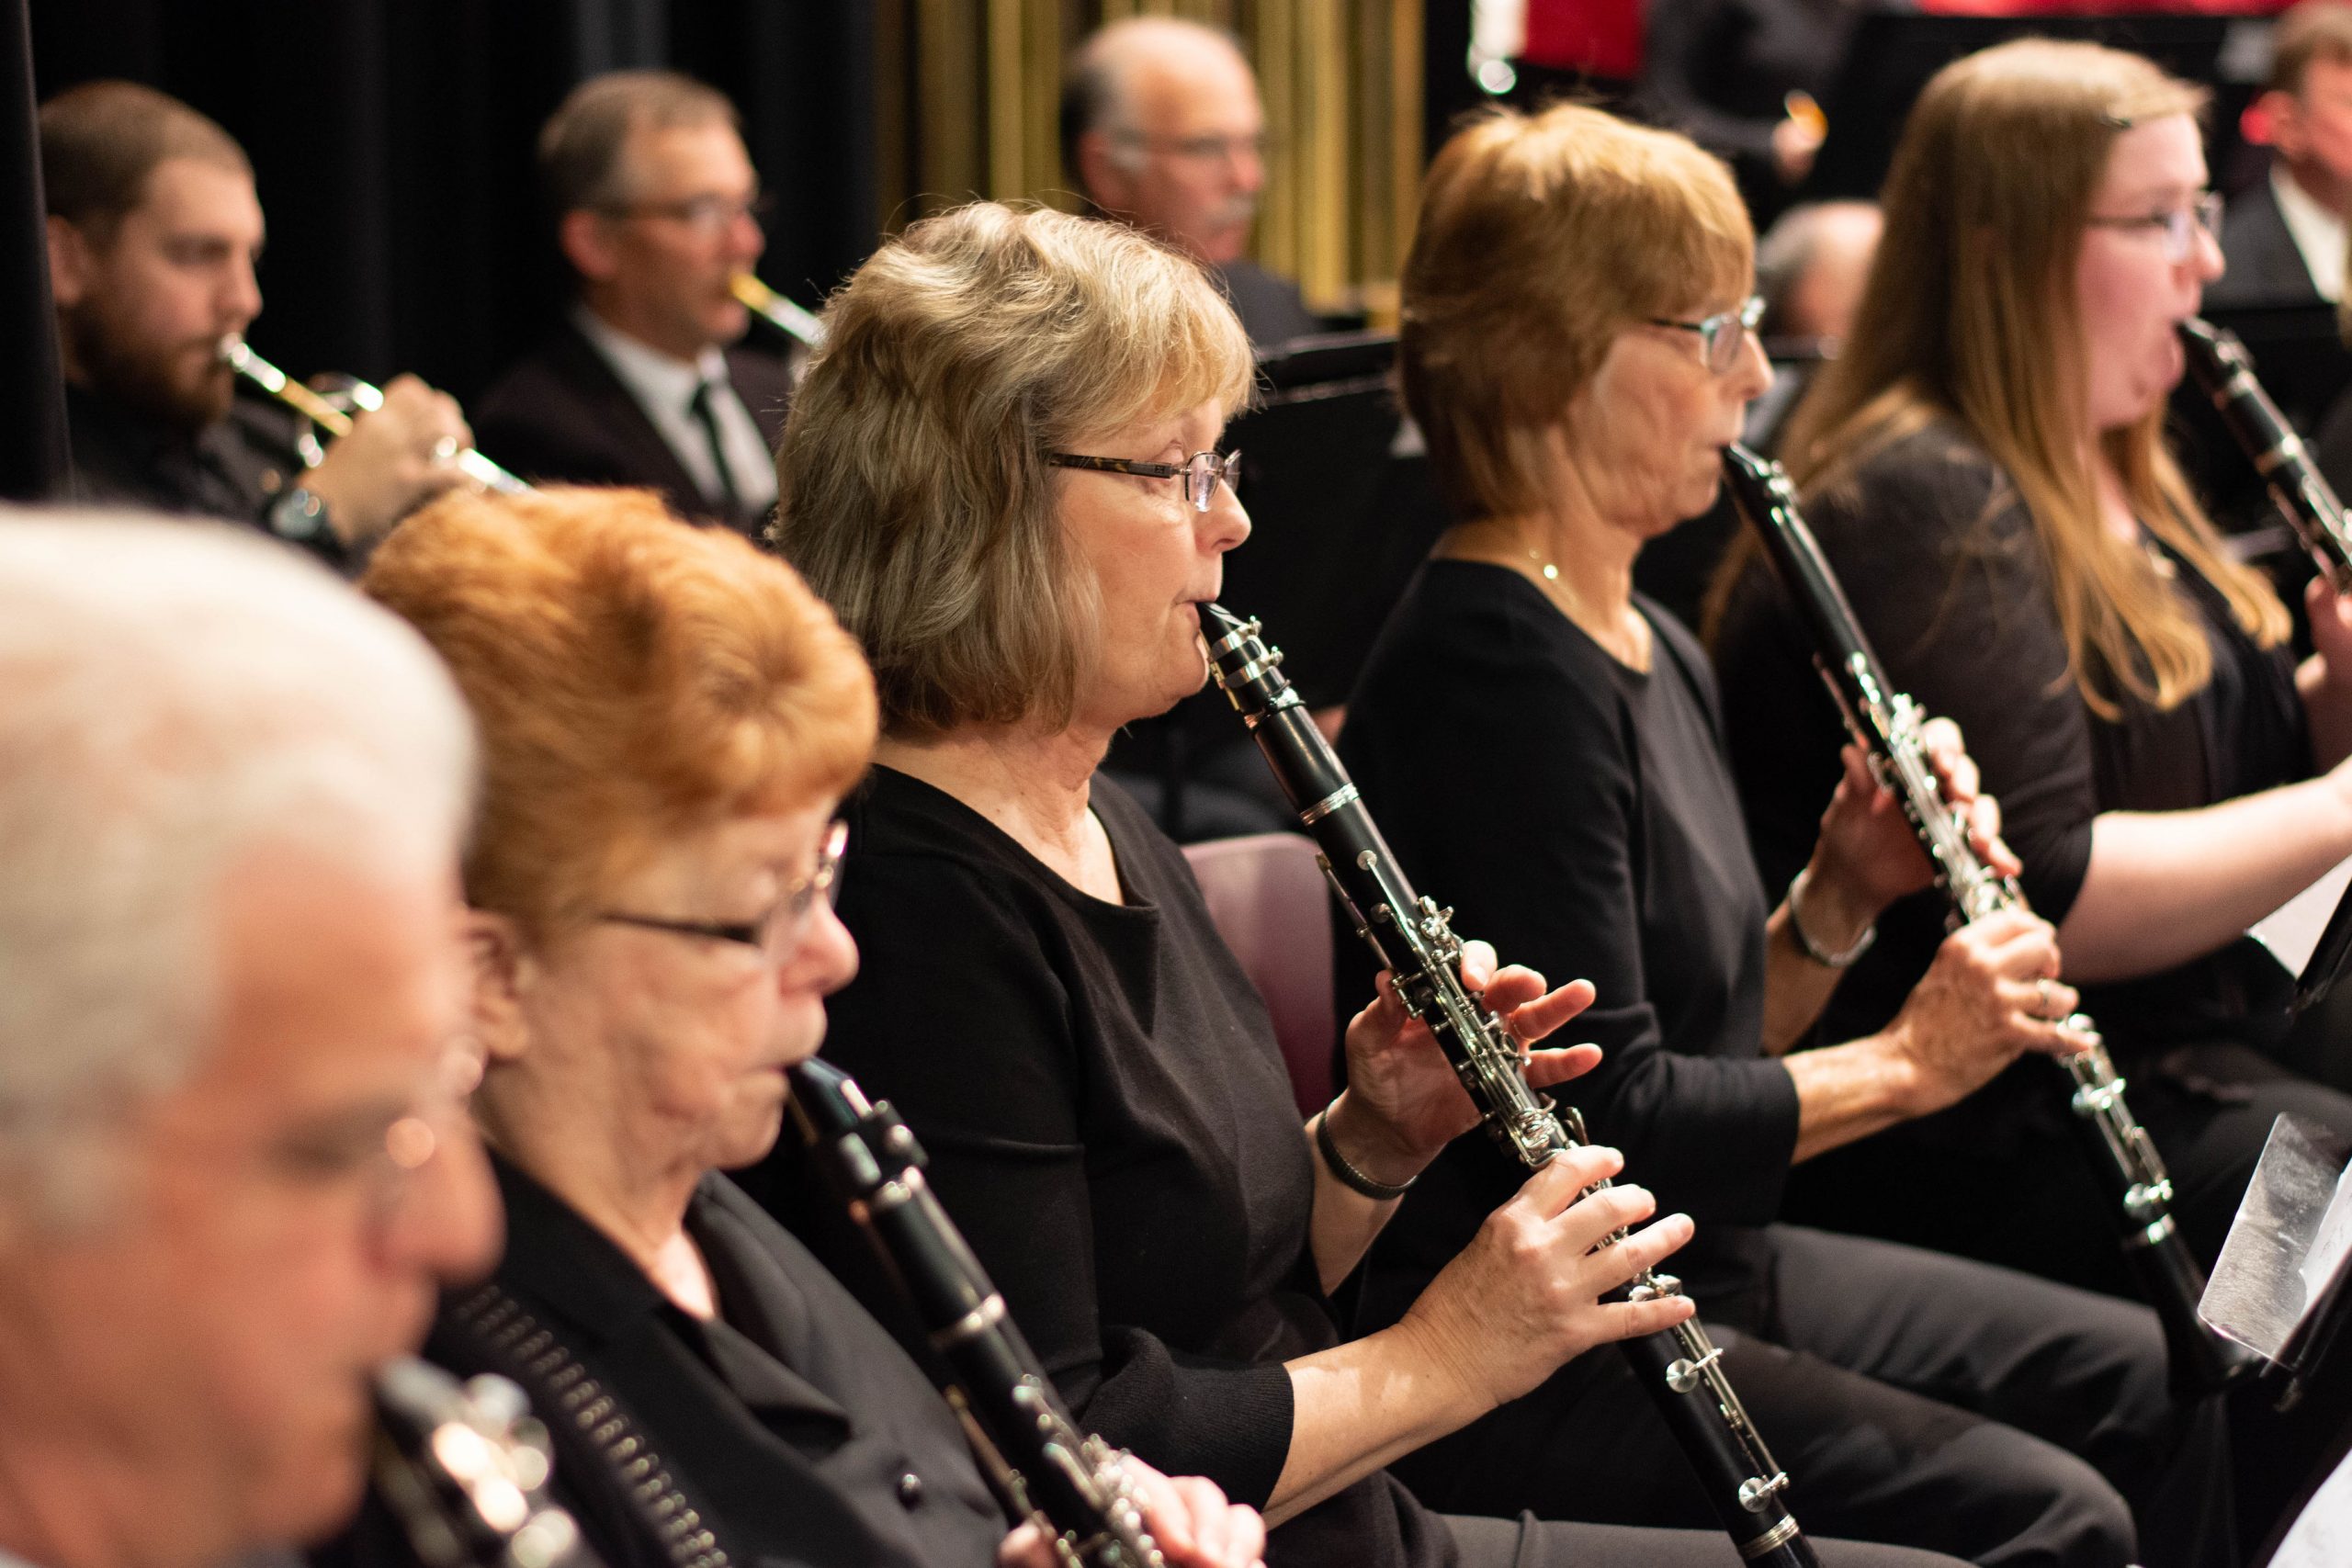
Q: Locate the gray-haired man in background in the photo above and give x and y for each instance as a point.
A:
(232, 1165)
(1162, 127)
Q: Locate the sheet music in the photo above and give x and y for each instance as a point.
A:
(2322, 1537)
(2335, 1239)
(2292, 931)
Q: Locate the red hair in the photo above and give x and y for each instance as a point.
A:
(634, 677)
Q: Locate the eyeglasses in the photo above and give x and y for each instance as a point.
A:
(776, 933)
(707, 216)
(1209, 148)
(2179, 225)
(1200, 472)
(1721, 335)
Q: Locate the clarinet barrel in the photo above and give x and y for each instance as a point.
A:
(2224, 371)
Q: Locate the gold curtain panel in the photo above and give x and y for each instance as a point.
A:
(969, 90)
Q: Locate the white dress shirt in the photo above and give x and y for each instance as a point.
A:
(2319, 233)
(664, 387)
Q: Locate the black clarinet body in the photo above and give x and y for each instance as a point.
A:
(1069, 1480)
(2224, 371)
(1414, 941)
(1887, 725)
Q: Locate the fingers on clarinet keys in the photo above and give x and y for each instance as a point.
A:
(1527, 1294)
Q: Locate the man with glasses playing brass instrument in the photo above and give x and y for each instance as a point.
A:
(153, 234)
(656, 208)
(1162, 126)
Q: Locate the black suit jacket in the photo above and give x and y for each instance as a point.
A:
(1271, 308)
(562, 416)
(793, 1426)
(2265, 265)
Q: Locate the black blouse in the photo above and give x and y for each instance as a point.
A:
(791, 1425)
(1578, 815)
(1110, 1125)
(1940, 559)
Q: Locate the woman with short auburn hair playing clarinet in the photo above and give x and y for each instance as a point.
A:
(1579, 349)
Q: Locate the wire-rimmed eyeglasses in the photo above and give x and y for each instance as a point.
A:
(776, 933)
(1200, 472)
(1721, 335)
(2177, 225)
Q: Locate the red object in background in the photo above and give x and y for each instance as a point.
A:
(2101, 7)
(1599, 38)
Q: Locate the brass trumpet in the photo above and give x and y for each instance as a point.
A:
(802, 326)
(240, 357)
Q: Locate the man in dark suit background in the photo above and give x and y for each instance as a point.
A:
(1162, 126)
(656, 207)
(2284, 238)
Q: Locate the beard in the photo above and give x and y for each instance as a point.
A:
(183, 385)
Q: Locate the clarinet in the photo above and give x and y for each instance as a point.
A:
(1069, 1482)
(1415, 941)
(464, 1469)
(2225, 372)
(1887, 724)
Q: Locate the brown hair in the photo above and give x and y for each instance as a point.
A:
(634, 677)
(581, 144)
(913, 487)
(1539, 238)
(2316, 30)
(1971, 314)
(100, 140)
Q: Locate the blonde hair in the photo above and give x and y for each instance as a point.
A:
(914, 490)
(1539, 238)
(1972, 314)
(635, 678)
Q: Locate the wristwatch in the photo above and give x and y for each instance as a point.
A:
(299, 514)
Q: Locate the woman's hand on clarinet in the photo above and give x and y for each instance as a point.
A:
(1188, 1516)
(1868, 855)
(1403, 1102)
(1524, 1296)
(1992, 994)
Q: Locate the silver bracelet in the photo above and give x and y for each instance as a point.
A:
(1812, 949)
(1348, 1176)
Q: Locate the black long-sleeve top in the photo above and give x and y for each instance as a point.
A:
(791, 1424)
(1110, 1125)
(1940, 559)
(1579, 816)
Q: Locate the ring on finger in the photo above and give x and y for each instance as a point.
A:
(2045, 1006)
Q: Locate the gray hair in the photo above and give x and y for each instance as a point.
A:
(1787, 250)
(580, 145)
(178, 696)
(1095, 84)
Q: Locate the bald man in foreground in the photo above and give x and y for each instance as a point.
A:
(1162, 127)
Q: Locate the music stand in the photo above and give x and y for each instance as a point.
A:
(2331, 955)
(2279, 1286)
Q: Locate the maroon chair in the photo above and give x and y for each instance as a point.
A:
(1271, 906)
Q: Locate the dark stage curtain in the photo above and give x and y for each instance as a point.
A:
(391, 141)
